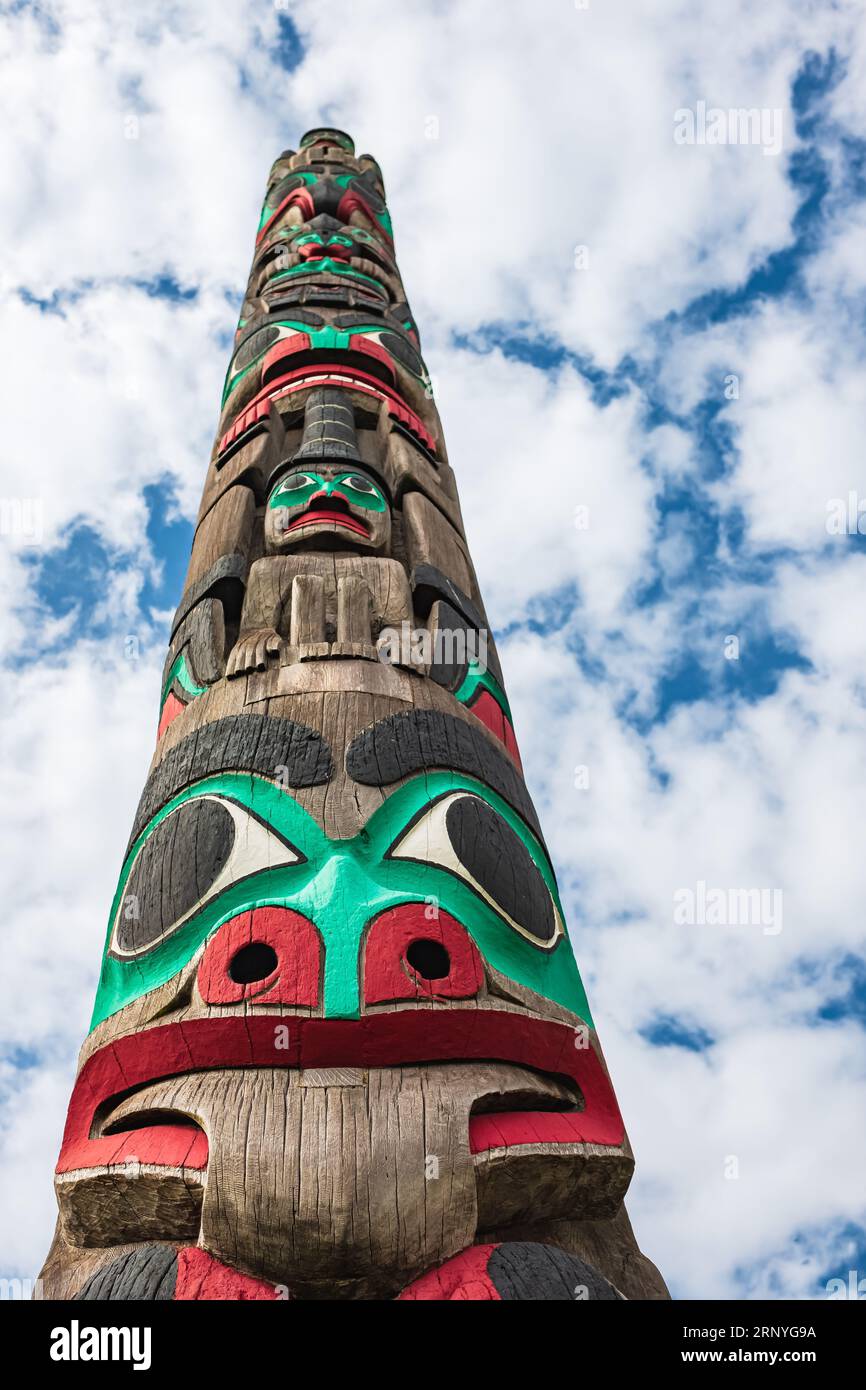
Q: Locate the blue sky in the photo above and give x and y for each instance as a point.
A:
(136, 161)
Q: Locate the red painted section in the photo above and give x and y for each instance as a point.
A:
(299, 197)
(311, 251)
(174, 1146)
(202, 1279)
(402, 1036)
(299, 343)
(388, 974)
(512, 1127)
(351, 202)
(334, 374)
(296, 944)
(349, 523)
(461, 1279)
(488, 710)
(255, 414)
(170, 710)
(286, 347)
(359, 343)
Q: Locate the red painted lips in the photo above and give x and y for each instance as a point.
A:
(404, 1037)
(315, 517)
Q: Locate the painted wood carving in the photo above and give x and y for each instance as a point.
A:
(340, 1046)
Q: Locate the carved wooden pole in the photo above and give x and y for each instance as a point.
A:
(340, 1047)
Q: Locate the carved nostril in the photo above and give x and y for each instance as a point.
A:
(429, 959)
(253, 962)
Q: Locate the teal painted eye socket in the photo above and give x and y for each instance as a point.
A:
(223, 840)
(447, 839)
(360, 491)
(253, 348)
(295, 481)
(463, 834)
(173, 892)
(402, 351)
(442, 838)
(296, 489)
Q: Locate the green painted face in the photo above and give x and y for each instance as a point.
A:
(296, 490)
(351, 198)
(422, 846)
(335, 506)
(368, 341)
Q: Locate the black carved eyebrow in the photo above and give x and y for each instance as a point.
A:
(238, 743)
(423, 738)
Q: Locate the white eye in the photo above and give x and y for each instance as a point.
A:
(359, 484)
(295, 482)
(197, 850)
(465, 835)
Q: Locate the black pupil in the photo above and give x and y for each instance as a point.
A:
(429, 959)
(253, 962)
(175, 868)
(500, 864)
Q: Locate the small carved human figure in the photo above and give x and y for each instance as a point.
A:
(325, 583)
(325, 578)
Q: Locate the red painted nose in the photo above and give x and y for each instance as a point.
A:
(417, 951)
(269, 955)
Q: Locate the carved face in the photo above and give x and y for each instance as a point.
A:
(349, 197)
(329, 506)
(444, 871)
(423, 937)
(457, 844)
(289, 347)
(297, 253)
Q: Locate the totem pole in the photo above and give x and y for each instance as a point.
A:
(340, 1047)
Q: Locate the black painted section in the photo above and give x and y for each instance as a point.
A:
(429, 584)
(500, 864)
(420, 739)
(224, 580)
(147, 1274)
(522, 1271)
(243, 742)
(175, 867)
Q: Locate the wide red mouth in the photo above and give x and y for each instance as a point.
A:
(406, 1037)
(316, 517)
(295, 354)
(256, 413)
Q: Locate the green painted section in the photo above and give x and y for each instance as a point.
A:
(341, 885)
(292, 491)
(315, 239)
(270, 208)
(319, 267)
(180, 671)
(231, 381)
(475, 680)
(383, 218)
(343, 181)
(335, 339)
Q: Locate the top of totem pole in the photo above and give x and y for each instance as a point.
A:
(325, 135)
